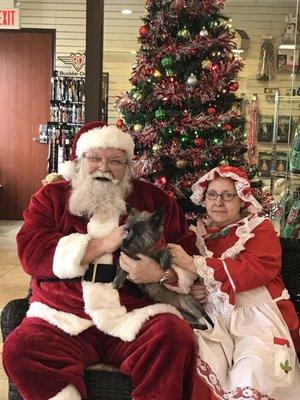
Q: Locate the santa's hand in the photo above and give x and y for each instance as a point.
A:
(198, 290)
(112, 242)
(145, 270)
(181, 258)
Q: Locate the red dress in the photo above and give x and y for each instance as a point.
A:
(250, 351)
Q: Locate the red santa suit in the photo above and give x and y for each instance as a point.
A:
(72, 324)
(250, 353)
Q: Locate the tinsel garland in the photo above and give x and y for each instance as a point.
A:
(182, 108)
(194, 8)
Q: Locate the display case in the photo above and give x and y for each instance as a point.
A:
(67, 115)
(284, 165)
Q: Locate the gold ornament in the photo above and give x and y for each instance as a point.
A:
(206, 64)
(181, 163)
(157, 73)
(138, 128)
(224, 162)
(156, 147)
(184, 33)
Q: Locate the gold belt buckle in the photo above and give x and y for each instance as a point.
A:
(94, 272)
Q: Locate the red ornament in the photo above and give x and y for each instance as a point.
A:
(233, 86)
(144, 31)
(175, 143)
(177, 5)
(227, 127)
(215, 67)
(199, 142)
(211, 110)
(162, 180)
(120, 123)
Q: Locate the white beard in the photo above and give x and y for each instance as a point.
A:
(90, 195)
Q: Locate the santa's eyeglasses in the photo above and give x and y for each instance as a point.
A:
(110, 162)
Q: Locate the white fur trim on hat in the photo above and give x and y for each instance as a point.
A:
(242, 187)
(67, 169)
(105, 137)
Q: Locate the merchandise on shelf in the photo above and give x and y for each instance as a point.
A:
(67, 114)
(294, 158)
(292, 226)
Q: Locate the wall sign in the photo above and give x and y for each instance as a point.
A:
(9, 18)
(77, 60)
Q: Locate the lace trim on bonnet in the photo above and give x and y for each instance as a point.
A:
(218, 301)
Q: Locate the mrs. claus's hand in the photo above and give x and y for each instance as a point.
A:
(198, 290)
(145, 270)
(181, 258)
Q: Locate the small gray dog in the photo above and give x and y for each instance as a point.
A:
(143, 231)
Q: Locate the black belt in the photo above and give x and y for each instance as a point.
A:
(104, 273)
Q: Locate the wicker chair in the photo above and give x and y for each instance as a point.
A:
(105, 382)
(291, 269)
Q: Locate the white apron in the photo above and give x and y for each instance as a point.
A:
(250, 354)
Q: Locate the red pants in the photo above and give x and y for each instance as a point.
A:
(41, 359)
(201, 391)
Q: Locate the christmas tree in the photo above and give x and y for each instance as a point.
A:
(182, 110)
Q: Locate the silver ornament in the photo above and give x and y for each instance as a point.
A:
(192, 80)
(204, 32)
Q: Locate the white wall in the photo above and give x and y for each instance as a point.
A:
(256, 17)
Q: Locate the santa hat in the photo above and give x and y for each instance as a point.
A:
(94, 135)
(241, 182)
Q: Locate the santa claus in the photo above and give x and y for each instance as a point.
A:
(69, 245)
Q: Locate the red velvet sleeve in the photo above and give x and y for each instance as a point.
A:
(255, 266)
(39, 235)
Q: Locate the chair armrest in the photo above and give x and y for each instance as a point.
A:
(12, 315)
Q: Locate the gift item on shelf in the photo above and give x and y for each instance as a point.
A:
(279, 190)
(253, 116)
(288, 36)
(265, 129)
(288, 52)
(281, 209)
(292, 226)
(67, 112)
(266, 60)
(60, 143)
(294, 158)
(67, 88)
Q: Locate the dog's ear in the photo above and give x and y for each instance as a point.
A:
(156, 218)
(130, 210)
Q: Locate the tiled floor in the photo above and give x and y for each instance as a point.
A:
(13, 281)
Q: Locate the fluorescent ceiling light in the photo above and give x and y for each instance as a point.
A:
(287, 46)
(126, 11)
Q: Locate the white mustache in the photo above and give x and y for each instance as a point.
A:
(106, 175)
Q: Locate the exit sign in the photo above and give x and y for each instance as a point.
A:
(9, 18)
